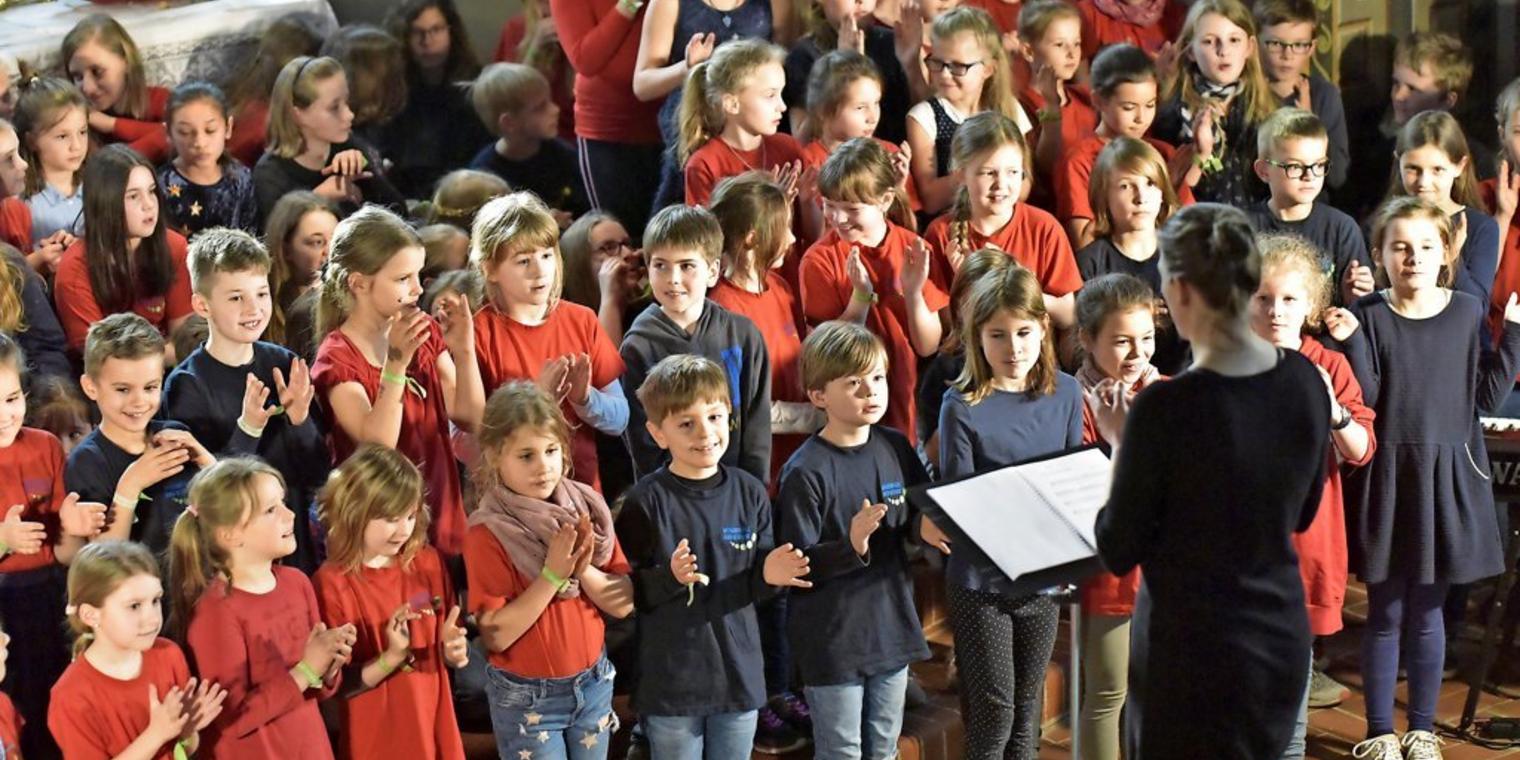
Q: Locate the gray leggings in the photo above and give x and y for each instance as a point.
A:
(1002, 646)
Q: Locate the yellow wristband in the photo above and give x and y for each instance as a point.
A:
(860, 296)
(313, 679)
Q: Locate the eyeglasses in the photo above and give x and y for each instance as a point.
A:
(1297, 48)
(613, 246)
(956, 68)
(1302, 171)
(429, 32)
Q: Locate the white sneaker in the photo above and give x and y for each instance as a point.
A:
(1421, 745)
(1385, 747)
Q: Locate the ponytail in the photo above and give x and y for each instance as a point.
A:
(96, 572)
(361, 244)
(701, 115)
(223, 495)
(695, 127)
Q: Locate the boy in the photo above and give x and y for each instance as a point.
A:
(239, 395)
(514, 102)
(1287, 31)
(694, 532)
(843, 502)
(682, 246)
(138, 465)
(1293, 159)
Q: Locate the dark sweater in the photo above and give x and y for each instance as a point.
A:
(274, 176)
(42, 341)
(553, 174)
(701, 658)
(96, 465)
(864, 603)
(1331, 230)
(436, 133)
(881, 48)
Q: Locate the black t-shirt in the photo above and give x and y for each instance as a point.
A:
(1101, 257)
(95, 466)
(553, 174)
(881, 48)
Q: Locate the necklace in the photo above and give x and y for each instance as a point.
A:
(742, 159)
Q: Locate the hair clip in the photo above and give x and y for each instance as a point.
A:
(70, 610)
(193, 510)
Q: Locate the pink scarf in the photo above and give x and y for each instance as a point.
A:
(1146, 13)
(525, 525)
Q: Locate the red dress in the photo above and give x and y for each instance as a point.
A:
(31, 473)
(78, 309)
(148, 136)
(1031, 236)
(95, 717)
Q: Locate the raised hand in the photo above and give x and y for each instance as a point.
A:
(902, 163)
(21, 536)
(296, 395)
(205, 703)
(1301, 92)
(1110, 401)
(851, 36)
(865, 522)
(932, 535)
(683, 564)
(1045, 84)
(408, 332)
(156, 464)
(1506, 191)
(554, 378)
(586, 536)
(256, 412)
(1357, 282)
(458, 324)
(1340, 323)
(167, 717)
(699, 48)
(787, 177)
(578, 376)
(456, 648)
(81, 519)
(908, 35)
(1166, 63)
(786, 566)
(398, 633)
(916, 267)
(1203, 131)
(859, 275)
(560, 558)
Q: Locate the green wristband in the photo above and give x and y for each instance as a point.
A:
(313, 680)
(553, 578)
(385, 667)
(391, 377)
(180, 753)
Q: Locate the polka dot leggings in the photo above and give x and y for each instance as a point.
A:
(1001, 648)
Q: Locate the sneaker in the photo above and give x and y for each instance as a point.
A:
(774, 737)
(794, 710)
(1325, 691)
(1385, 747)
(1421, 745)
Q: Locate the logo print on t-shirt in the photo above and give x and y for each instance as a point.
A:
(893, 494)
(740, 537)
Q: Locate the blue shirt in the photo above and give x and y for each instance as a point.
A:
(53, 211)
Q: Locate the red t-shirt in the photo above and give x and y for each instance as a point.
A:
(826, 293)
(603, 47)
(424, 436)
(1105, 593)
(16, 223)
(510, 350)
(566, 639)
(1073, 177)
(411, 713)
(1004, 14)
(78, 309)
(247, 643)
(10, 727)
(716, 160)
(95, 717)
(31, 473)
(1078, 117)
(560, 83)
(148, 135)
(249, 130)
(1031, 236)
(776, 314)
(1507, 279)
(1099, 30)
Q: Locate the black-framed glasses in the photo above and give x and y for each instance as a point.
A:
(1297, 48)
(1295, 170)
(956, 68)
(611, 247)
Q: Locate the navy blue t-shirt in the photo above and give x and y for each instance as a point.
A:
(553, 174)
(1331, 230)
(95, 466)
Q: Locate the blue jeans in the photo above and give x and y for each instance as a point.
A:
(553, 718)
(1296, 745)
(858, 720)
(724, 736)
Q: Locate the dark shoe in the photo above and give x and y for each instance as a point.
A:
(794, 710)
(916, 696)
(774, 736)
(638, 745)
(1325, 691)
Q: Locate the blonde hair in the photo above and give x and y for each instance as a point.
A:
(1014, 289)
(510, 225)
(861, 171)
(515, 405)
(95, 574)
(120, 336)
(222, 250)
(375, 483)
(1288, 123)
(829, 83)
(752, 203)
(1440, 130)
(974, 267)
(1451, 63)
(684, 228)
(1126, 154)
(106, 32)
(725, 73)
(1281, 251)
(505, 88)
(361, 244)
(223, 495)
(1414, 207)
(997, 91)
(42, 103)
(1036, 17)
(296, 87)
(460, 194)
(977, 136)
(680, 381)
(838, 349)
(12, 281)
(1259, 100)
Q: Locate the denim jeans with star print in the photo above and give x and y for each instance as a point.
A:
(553, 718)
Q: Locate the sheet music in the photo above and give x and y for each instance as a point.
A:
(1076, 486)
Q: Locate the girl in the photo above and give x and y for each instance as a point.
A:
(1422, 368)
(730, 108)
(383, 578)
(1114, 22)
(373, 62)
(130, 261)
(835, 26)
(757, 235)
(1009, 403)
(204, 186)
(527, 332)
(27, 314)
(55, 138)
(604, 271)
(98, 709)
(385, 371)
(56, 405)
(1116, 321)
(1434, 164)
(1215, 102)
(293, 34)
(1500, 195)
(437, 128)
(311, 142)
(15, 217)
(251, 624)
(987, 163)
(461, 193)
(871, 268)
(297, 234)
(544, 566)
(1050, 34)
(104, 63)
(1294, 293)
(968, 69)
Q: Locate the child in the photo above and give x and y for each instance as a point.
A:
(204, 186)
(447, 249)
(513, 102)
(696, 531)
(458, 283)
(682, 248)
(130, 261)
(1289, 30)
(1050, 40)
(1293, 294)
(385, 372)
(731, 107)
(15, 217)
(1010, 403)
(104, 63)
(139, 465)
(544, 566)
(1434, 164)
(1215, 102)
(27, 313)
(382, 578)
(987, 161)
(1425, 371)
(871, 269)
(604, 271)
(312, 145)
(846, 27)
(251, 625)
(460, 195)
(239, 395)
(532, 37)
(1293, 151)
(968, 70)
(297, 233)
(56, 405)
(528, 332)
(1122, 22)
(1500, 195)
(294, 34)
(98, 707)
(844, 503)
(55, 138)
